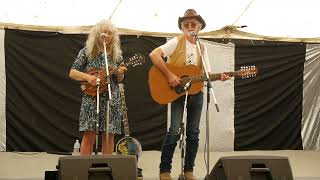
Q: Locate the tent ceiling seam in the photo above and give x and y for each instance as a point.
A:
(245, 10)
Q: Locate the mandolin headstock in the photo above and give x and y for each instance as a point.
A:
(137, 59)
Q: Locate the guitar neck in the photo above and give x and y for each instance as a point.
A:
(213, 77)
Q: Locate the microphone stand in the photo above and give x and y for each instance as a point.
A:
(209, 89)
(109, 91)
(182, 130)
(98, 112)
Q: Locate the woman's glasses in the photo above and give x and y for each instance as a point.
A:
(188, 24)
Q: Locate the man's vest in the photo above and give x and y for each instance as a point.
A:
(178, 58)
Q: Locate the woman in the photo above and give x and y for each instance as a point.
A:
(92, 57)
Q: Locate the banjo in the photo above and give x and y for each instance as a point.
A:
(127, 145)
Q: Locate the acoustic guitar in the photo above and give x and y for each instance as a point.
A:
(136, 60)
(162, 93)
(127, 145)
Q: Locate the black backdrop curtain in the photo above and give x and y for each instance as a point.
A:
(42, 102)
(268, 108)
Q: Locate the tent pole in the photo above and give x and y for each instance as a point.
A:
(114, 10)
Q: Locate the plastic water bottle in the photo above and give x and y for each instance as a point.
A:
(76, 148)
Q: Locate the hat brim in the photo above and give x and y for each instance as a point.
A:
(198, 18)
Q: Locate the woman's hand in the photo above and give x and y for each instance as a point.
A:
(91, 79)
(120, 73)
(122, 69)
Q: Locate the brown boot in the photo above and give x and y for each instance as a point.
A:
(189, 175)
(165, 176)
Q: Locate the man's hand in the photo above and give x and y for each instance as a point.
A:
(173, 80)
(224, 77)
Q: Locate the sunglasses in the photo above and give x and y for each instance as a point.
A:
(188, 24)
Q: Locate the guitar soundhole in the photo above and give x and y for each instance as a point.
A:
(184, 85)
(179, 89)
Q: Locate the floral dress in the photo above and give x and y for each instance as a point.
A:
(88, 110)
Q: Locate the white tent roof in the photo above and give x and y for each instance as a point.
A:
(277, 18)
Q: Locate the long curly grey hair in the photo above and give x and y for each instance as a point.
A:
(92, 47)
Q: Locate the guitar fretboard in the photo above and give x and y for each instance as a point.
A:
(213, 77)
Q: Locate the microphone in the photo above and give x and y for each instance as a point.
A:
(98, 82)
(193, 33)
(187, 85)
(103, 35)
(243, 26)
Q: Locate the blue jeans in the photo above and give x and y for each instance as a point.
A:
(194, 108)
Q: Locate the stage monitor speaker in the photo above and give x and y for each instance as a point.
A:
(50, 175)
(97, 167)
(251, 168)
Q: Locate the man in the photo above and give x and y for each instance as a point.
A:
(182, 51)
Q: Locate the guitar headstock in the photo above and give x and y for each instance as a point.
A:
(248, 71)
(137, 59)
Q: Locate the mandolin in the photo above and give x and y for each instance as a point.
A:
(136, 60)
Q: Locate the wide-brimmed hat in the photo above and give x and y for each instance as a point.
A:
(191, 14)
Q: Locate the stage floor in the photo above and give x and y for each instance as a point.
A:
(305, 165)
